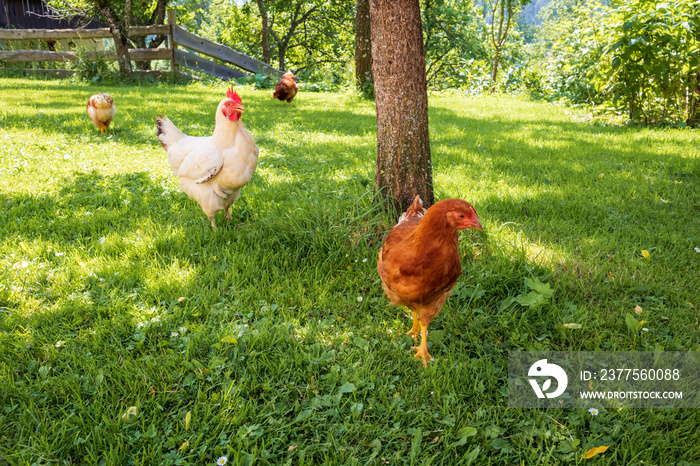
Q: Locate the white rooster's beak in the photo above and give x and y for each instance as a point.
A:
(237, 111)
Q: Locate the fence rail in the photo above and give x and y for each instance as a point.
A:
(178, 37)
(100, 33)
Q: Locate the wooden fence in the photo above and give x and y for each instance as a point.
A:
(178, 38)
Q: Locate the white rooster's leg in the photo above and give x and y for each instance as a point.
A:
(231, 200)
(211, 219)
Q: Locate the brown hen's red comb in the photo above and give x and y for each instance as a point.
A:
(231, 94)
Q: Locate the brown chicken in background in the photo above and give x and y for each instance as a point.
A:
(286, 89)
(419, 262)
(101, 110)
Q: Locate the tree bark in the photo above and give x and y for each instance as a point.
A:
(118, 27)
(404, 167)
(494, 71)
(363, 44)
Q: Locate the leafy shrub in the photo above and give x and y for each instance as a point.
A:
(640, 58)
(91, 68)
(258, 81)
(574, 57)
(653, 49)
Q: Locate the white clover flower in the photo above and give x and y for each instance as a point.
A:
(365, 259)
(593, 411)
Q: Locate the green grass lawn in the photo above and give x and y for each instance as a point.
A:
(132, 333)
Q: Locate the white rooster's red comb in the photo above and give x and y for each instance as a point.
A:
(231, 94)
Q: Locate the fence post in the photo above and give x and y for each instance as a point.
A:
(172, 21)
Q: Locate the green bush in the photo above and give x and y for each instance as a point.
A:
(638, 58)
(653, 51)
(90, 68)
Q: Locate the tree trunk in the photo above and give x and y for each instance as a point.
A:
(265, 39)
(494, 72)
(282, 51)
(118, 28)
(121, 43)
(363, 44)
(404, 167)
(499, 38)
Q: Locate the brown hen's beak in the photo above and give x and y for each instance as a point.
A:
(478, 226)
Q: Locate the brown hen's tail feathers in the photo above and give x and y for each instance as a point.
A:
(414, 210)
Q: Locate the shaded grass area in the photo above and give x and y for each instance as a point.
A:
(269, 341)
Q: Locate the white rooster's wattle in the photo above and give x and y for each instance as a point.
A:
(212, 170)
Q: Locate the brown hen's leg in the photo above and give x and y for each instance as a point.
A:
(415, 330)
(422, 349)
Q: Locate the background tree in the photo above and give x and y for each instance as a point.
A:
(265, 32)
(639, 59)
(363, 45)
(107, 11)
(404, 167)
(452, 33)
(146, 16)
(303, 35)
(501, 13)
(119, 27)
(119, 15)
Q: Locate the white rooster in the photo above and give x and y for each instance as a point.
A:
(212, 170)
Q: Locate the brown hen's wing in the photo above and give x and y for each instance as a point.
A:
(414, 268)
(399, 233)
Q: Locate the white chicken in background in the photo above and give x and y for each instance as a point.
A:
(212, 170)
(101, 110)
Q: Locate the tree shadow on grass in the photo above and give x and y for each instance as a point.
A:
(571, 172)
(123, 226)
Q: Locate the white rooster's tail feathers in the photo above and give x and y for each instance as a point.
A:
(167, 132)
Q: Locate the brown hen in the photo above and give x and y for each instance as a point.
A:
(419, 262)
(286, 88)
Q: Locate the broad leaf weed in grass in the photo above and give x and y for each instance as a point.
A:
(132, 333)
